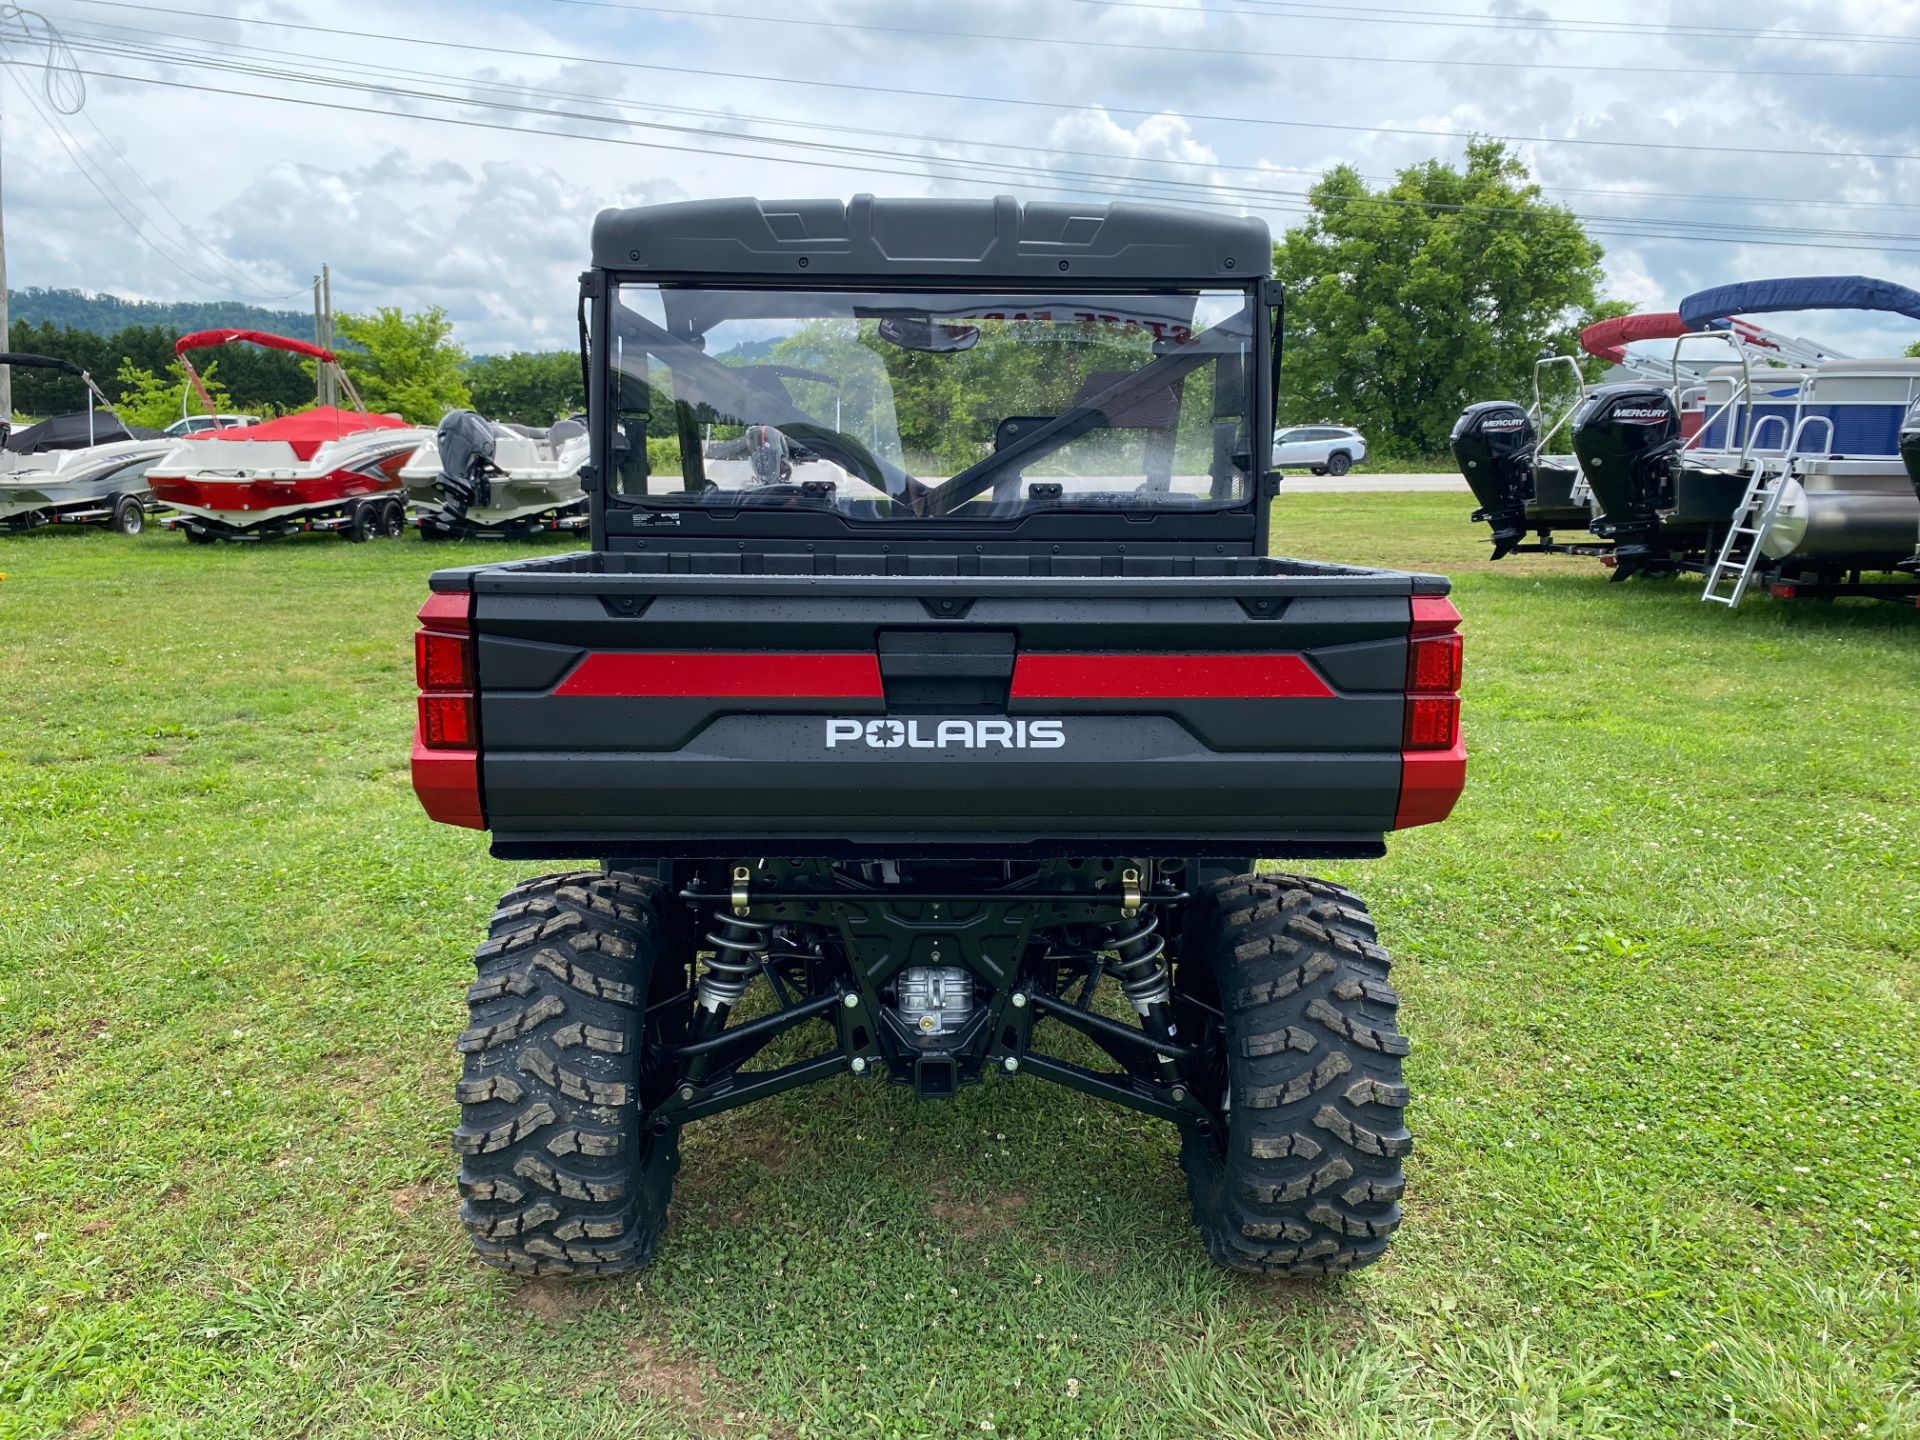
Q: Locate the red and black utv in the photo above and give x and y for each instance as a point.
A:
(942, 700)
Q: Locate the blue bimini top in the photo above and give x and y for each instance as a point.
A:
(1710, 309)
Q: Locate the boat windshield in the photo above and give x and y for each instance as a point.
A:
(881, 405)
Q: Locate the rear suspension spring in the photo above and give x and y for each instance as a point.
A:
(1139, 960)
(740, 946)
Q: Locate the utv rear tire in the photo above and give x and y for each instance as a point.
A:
(558, 1174)
(1308, 1177)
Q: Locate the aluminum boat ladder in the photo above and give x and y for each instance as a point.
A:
(1746, 540)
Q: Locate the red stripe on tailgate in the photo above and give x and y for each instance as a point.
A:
(1166, 677)
(707, 674)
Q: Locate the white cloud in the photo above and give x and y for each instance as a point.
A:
(493, 224)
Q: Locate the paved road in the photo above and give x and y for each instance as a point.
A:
(1361, 482)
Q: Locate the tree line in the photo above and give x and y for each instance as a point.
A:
(404, 363)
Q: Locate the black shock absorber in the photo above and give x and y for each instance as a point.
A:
(739, 950)
(740, 944)
(1140, 951)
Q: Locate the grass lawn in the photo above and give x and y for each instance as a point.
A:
(1661, 972)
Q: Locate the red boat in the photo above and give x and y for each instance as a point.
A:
(320, 469)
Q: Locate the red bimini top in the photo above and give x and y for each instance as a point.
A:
(208, 339)
(1608, 340)
(308, 430)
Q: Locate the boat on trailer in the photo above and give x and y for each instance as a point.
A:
(481, 479)
(1828, 509)
(325, 469)
(86, 468)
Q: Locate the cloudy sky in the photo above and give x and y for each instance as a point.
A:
(1718, 139)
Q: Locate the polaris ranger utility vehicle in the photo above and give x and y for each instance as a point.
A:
(935, 733)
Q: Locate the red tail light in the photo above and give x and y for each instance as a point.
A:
(446, 722)
(446, 754)
(440, 661)
(1433, 722)
(1434, 664)
(1433, 757)
(1435, 660)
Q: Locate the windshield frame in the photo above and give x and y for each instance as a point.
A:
(1235, 526)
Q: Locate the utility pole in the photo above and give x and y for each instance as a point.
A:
(319, 331)
(6, 330)
(326, 292)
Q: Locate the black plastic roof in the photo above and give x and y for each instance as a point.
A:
(908, 239)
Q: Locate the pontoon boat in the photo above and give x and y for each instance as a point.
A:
(1828, 503)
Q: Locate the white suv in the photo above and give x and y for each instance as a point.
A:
(1324, 449)
(189, 425)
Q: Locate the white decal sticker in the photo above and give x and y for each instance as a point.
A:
(948, 734)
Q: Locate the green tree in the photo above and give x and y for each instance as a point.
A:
(1406, 305)
(146, 399)
(527, 387)
(404, 364)
(1913, 350)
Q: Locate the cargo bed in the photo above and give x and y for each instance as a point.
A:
(689, 704)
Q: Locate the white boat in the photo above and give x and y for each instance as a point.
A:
(477, 477)
(87, 468)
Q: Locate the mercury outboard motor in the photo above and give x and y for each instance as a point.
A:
(769, 454)
(466, 443)
(1910, 452)
(1625, 437)
(1493, 444)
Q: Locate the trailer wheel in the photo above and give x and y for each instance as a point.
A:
(393, 520)
(1307, 1178)
(199, 536)
(1339, 463)
(129, 516)
(360, 523)
(559, 1175)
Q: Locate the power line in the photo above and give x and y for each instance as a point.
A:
(1235, 51)
(133, 222)
(358, 66)
(60, 55)
(835, 164)
(1546, 24)
(1021, 101)
(1163, 185)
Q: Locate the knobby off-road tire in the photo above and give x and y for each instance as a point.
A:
(559, 1177)
(1309, 1177)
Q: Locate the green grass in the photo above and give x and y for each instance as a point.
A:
(1659, 971)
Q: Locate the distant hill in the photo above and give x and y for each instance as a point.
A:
(109, 314)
